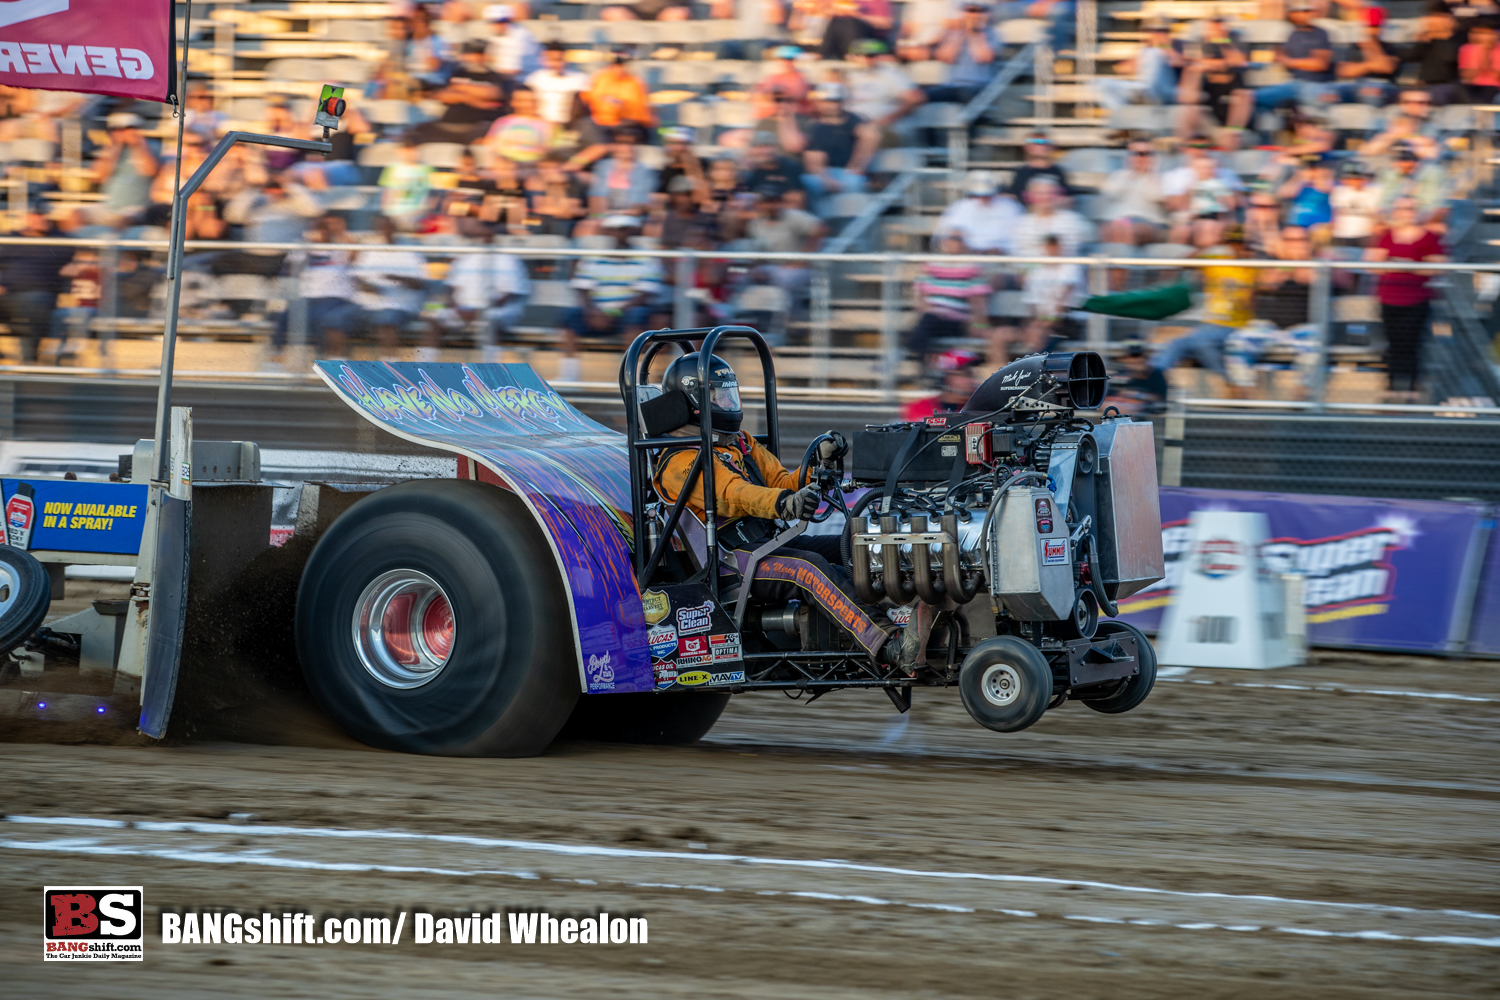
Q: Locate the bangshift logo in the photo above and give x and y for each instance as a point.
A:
(16, 11)
(93, 924)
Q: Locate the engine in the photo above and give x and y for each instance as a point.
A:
(1055, 516)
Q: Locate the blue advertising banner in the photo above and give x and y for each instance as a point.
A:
(1484, 629)
(1383, 574)
(571, 472)
(76, 516)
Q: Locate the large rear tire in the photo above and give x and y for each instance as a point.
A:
(25, 596)
(431, 619)
(645, 717)
(1005, 683)
(1130, 692)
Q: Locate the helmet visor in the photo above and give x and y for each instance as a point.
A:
(725, 397)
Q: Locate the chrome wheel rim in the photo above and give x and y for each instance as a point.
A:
(1000, 684)
(403, 628)
(10, 588)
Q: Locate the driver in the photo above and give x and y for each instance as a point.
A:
(751, 488)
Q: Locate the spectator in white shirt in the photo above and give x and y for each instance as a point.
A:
(491, 288)
(923, 24)
(513, 50)
(1046, 217)
(1137, 209)
(879, 92)
(390, 286)
(1356, 206)
(1052, 290)
(557, 87)
(327, 289)
(985, 220)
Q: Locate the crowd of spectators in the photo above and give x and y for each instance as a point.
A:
(554, 148)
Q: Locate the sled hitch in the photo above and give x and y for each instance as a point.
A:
(1094, 661)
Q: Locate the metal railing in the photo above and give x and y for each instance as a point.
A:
(891, 268)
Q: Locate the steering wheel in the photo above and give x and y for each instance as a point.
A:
(840, 449)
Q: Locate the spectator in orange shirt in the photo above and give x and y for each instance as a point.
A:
(618, 97)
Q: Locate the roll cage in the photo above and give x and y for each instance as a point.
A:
(634, 374)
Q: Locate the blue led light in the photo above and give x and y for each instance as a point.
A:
(41, 704)
(100, 709)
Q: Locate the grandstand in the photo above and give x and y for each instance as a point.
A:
(258, 55)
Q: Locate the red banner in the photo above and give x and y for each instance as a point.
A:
(118, 47)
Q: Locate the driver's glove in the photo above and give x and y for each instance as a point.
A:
(796, 506)
(833, 447)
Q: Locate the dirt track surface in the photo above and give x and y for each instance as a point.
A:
(1222, 841)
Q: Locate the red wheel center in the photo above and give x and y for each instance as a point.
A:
(395, 629)
(398, 629)
(437, 628)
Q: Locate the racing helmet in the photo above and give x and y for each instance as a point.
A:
(723, 393)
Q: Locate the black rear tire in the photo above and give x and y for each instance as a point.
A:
(1130, 692)
(1005, 683)
(645, 717)
(25, 596)
(510, 678)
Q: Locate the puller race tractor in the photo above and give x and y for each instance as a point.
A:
(550, 585)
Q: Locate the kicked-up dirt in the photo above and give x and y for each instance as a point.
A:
(1227, 839)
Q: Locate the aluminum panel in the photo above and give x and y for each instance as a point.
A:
(1130, 553)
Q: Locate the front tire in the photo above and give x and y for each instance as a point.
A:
(1005, 683)
(25, 596)
(431, 619)
(1131, 691)
(645, 717)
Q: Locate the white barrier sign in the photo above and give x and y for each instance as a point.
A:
(1229, 608)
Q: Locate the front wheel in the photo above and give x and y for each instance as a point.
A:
(432, 619)
(25, 596)
(1005, 683)
(1131, 691)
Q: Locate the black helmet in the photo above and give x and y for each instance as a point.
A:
(723, 393)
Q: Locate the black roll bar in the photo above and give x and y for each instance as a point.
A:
(635, 370)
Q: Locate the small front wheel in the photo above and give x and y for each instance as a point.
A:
(1005, 684)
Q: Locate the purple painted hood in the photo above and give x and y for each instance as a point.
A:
(571, 472)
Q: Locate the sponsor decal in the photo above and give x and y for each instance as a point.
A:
(100, 924)
(732, 677)
(655, 606)
(662, 639)
(939, 421)
(1043, 516)
(900, 616)
(664, 671)
(1217, 558)
(1054, 552)
(725, 647)
(600, 672)
(697, 619)
(694, 678)
(20, 515)
(693, 651)
(1341, 572)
